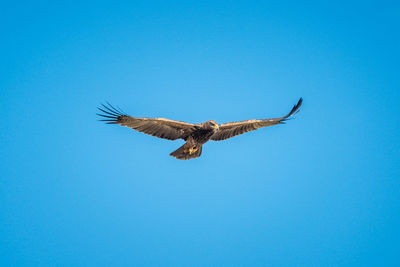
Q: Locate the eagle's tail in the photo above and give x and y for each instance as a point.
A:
(187, 152)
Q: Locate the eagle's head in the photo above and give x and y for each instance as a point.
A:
(211, 125)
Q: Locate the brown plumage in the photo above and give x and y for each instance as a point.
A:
(195, 135)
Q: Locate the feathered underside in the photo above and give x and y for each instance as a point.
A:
(159, 127)
(231, 129)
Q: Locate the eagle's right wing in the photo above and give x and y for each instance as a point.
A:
(231, 129)
(159, 127)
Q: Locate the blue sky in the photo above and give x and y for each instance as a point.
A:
(322, 190)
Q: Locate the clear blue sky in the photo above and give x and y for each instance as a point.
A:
(322, 190)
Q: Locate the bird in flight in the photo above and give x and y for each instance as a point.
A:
(195, 135)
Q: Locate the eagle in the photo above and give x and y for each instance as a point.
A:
(195, 134)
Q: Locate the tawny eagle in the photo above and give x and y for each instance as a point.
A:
(195, 135)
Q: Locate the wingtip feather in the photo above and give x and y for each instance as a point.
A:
(109, 112)
(294, 111)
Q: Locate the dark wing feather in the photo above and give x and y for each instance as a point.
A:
(231, 129)
(159, 127)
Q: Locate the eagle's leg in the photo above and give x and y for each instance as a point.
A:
(193, 149)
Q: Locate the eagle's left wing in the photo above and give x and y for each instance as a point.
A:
(231, 129)
(158, 127)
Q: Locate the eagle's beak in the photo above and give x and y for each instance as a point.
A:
(216, 127)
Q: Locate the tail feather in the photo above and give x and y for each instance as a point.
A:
(184, 152)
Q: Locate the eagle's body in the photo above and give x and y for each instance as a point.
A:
(195, 135)
(195, 140)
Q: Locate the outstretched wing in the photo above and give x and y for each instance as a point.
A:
(159, 127)
(231, 129)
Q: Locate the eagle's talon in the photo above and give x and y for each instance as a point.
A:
(192, 150)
